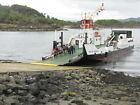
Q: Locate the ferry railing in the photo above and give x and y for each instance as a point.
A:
(109, 42)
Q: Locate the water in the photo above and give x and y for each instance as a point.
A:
(31, 46)
(28, 46)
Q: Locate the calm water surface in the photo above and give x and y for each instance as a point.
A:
(28, 46)
(31, 46)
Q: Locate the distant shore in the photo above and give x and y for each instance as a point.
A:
(85, 86)
(11, 27)
(30, 29)
(52, 29)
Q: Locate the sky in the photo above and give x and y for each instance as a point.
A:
(73, 9)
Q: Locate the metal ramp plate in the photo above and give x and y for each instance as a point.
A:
(65, 58)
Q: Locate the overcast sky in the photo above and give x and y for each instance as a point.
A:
(72, 9)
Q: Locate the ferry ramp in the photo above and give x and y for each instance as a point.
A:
(46, 65)
(65, 58)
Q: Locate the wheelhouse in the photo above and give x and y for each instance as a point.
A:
(119, 34)
(87, 23)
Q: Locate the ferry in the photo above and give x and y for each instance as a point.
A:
(90, 44)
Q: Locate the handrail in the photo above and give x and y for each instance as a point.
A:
(108, 44)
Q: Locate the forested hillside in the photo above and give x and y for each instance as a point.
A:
(18, 15)
(117, 24)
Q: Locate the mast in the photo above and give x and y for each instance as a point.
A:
(88, 21)
(87, 24)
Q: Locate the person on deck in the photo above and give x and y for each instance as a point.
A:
(71, 49)
(54, 52)
(65, 48)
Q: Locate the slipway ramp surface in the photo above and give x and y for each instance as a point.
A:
(23, 67)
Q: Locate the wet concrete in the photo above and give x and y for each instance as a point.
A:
(22, 67)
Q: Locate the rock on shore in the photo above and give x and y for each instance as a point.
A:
(69, 87)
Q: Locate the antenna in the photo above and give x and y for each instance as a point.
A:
(55, 35)
(85, 15)
(98, 11)
(82, 15)
(88, 18)
(91, 15)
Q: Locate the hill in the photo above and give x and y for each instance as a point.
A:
(130, 19)
(23, 18)
(17, 14)
(117, 24)
(17, 17)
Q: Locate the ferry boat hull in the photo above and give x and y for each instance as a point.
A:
(109, 56)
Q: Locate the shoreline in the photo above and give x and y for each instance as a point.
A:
(25, 64)
(37, 28)
(50, 29)
(31, 30)
(87, 86)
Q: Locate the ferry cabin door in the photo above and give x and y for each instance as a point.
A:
(77, 42)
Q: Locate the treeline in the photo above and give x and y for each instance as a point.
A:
(22, 17)
(117, 24)
(26, 16)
